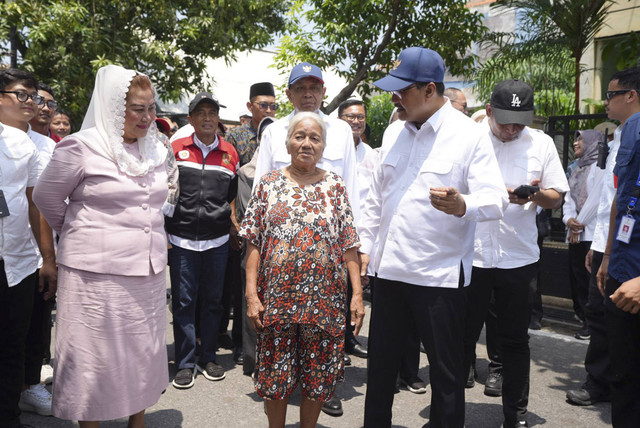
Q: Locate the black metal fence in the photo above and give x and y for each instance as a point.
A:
(562, 130)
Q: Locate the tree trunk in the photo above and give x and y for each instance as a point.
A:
(577, 85)
(13, 53)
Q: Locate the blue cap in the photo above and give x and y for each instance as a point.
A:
(303, 70)
(413, 65)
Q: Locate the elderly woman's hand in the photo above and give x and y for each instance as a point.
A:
(255, 313)
(357, 313)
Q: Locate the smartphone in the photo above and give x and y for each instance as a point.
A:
(525, 190)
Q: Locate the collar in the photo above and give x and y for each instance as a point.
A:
(319, 112)
(435, 121)
(203, 146)
(526, 133)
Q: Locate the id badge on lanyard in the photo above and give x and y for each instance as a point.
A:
(628, 222)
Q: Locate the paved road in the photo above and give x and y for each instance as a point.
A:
(557, 365)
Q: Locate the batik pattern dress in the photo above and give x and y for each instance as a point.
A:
(302, 233)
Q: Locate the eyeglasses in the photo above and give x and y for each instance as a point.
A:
(265, 106)
(610, 94)
(51, 104)
(23, 97)
(354, 117)
(402, 91)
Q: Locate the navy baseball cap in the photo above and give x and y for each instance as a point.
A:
(204, 97)
(512, 102)
(413, 65)
(303, 70)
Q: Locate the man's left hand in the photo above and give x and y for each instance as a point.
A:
(235, 242)
(448, 200)
(627, 296)
(48, 275)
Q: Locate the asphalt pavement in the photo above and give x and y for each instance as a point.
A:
(556, 366)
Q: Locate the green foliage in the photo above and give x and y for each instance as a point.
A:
(624, 51)
(64, 42)
(562, 24)
(379, 108)
(356, 37)
(548, 71)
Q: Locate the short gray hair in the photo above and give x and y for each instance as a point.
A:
(299, 117)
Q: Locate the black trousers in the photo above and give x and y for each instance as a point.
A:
(439, 317)
(232, 296)
(623, 331)
(249, 335)
(493, 340)
(596, 362)
(579, 277)
(38, 339)
(16, 304)
(510, 288)
(410, 362)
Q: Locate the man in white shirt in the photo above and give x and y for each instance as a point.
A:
(506, 250)
(19, 103)
(306, 91)
(354, 112)
(434, 183)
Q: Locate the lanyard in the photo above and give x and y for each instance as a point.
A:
(635, 194)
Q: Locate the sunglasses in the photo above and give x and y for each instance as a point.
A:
(610, 94)
(265, 106)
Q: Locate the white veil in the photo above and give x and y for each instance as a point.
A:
(103, 126)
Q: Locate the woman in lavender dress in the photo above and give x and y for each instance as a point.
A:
(110, 353)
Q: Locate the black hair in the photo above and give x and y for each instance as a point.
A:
(351, 102)
(46, 88)
(439, 86)
(13, 75)
(629, 78)
(61, 111)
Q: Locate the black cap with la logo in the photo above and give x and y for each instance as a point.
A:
(512, 102)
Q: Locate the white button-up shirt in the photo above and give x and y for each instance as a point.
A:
(339, 155)
(19, 170)
(44, 144)
(607, 193)
(513, 241)
(367, 160)
(417, 244)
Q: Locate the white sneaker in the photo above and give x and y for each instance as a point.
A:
(46, 374)
(36, 399)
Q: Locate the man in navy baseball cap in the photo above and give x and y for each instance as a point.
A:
(413, 65)
(440, 173)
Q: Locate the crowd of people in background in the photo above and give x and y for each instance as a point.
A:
(283, 222)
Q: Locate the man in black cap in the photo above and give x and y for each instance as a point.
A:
(436, 180)
(506, 250)
(261, 104)
(199, 236)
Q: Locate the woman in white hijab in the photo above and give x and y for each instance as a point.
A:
(110, 354)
